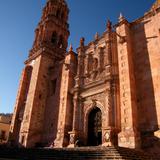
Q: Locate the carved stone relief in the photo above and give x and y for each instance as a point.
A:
(94, 65)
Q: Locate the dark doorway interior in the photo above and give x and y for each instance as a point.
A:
(95, 127)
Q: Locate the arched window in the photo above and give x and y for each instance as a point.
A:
(54, 38)
(62, 15)
(60, 41)
(28, 74)
(58, 13)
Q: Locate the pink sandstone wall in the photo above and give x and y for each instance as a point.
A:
(146, 42)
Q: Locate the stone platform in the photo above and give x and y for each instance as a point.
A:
(79, 153)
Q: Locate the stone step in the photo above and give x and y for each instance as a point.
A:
(81, 153)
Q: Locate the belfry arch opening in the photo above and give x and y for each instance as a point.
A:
(54, 38)
(60, 42)
(95, 127)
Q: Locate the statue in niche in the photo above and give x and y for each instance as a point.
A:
(90, 63)
(94, 71)
(101, 58)
(95, 64)
(86, 67)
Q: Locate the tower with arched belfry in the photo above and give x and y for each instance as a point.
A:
(37, 105)
(106, 94)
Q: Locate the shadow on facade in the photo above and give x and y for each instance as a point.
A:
(52, 106)
(147, 114)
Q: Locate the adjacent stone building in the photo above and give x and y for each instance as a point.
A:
(107, 93)
(5, 121)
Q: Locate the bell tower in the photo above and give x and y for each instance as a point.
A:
(35, 117)
(52, 31)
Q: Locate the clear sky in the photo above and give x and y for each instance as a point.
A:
(19, 18)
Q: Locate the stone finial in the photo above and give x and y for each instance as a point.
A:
(82, 42)
(96, 36)
(109, 25)
(121, 17)
(70, 48)
(155, 5)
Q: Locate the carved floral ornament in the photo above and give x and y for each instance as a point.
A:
(93, 105)
(72, 139)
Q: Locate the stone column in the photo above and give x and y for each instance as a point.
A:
(80, 68)
(73, 133)
(75, 116)
(108, 53)
(65, 105)
(108, 128)
(76, 102)
(86, 64)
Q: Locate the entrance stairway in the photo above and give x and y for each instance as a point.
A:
(79, 153)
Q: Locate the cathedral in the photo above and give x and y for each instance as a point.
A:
(107, 93)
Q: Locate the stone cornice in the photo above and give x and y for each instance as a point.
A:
(51, 52)
(96, 83)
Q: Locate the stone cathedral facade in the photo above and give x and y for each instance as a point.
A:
(107, 93)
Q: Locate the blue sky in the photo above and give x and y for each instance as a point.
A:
(19, 18)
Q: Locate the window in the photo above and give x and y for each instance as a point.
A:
(58, 13)
(53, 86)
(60, 41)
(54, 38)
(62, 16)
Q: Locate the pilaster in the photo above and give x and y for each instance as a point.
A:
(32, 123)
(74, 134)
(20, 104)
(65, 108)
(129, 135)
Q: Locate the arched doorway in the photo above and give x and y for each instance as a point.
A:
(95, 127)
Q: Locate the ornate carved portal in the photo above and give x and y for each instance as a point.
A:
(95, 127)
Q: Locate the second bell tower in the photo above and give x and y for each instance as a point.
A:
(36, 111)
